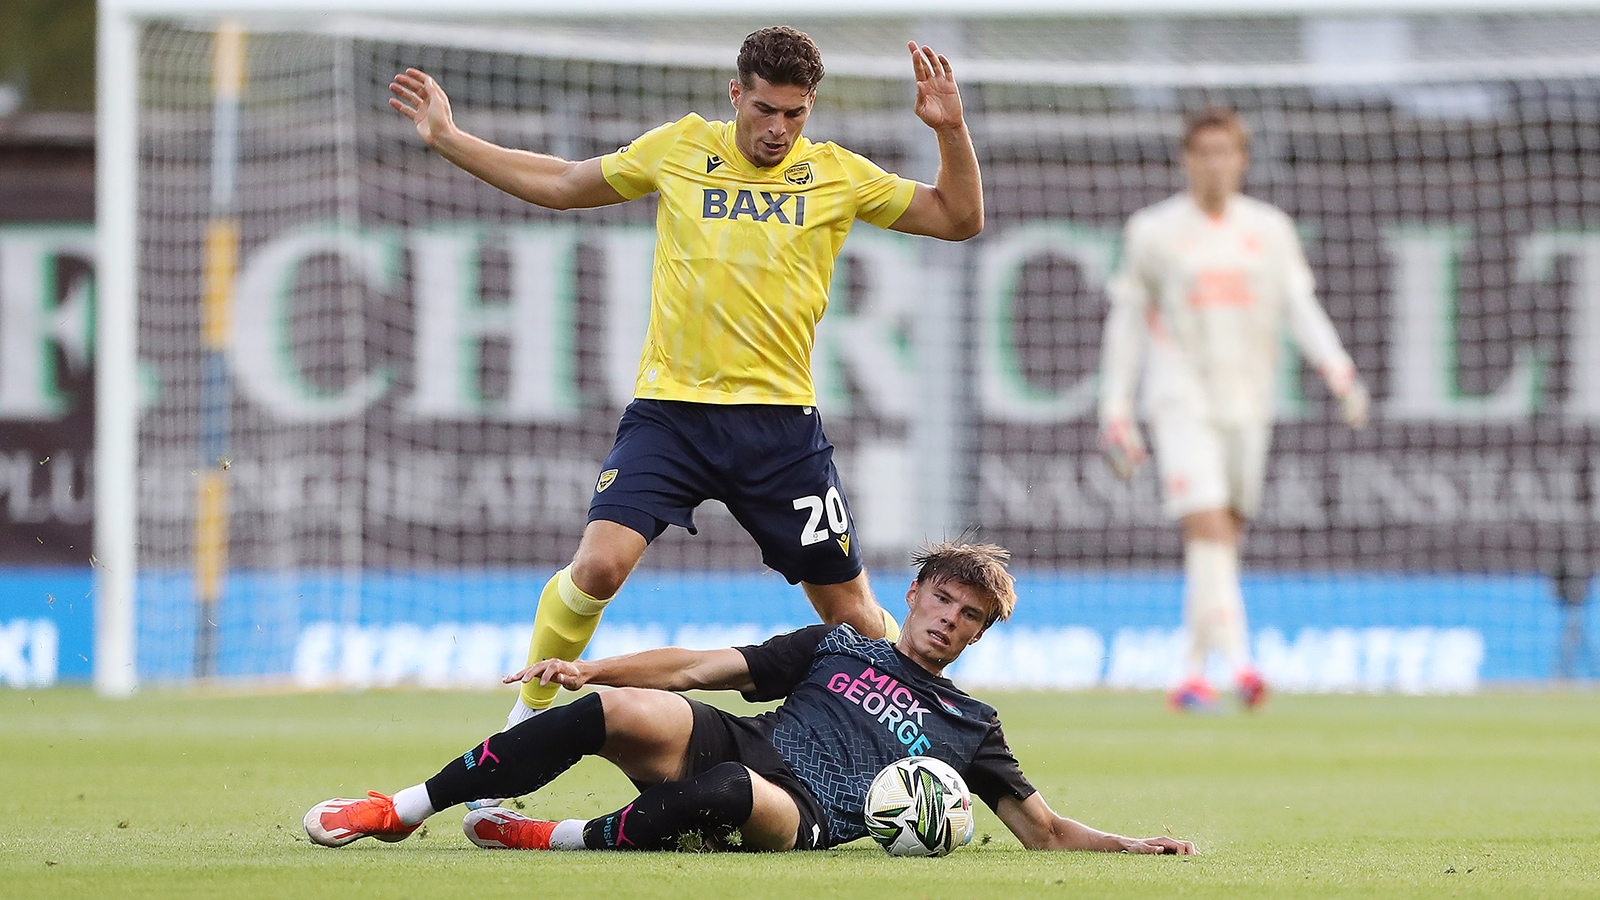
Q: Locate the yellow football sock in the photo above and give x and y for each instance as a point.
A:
(565, 622)
(891, 628)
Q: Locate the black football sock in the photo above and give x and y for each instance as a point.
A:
(712, 804)
(525, 758)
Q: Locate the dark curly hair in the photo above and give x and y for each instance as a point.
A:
(780, 55)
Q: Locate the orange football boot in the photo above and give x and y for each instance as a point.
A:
(493, 828)
(334, 823)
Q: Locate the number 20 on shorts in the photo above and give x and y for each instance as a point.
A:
(831, 504)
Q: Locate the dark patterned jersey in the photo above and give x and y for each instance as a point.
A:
(853, 705)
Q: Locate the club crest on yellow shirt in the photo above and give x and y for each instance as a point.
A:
(798, 175)
(606, 478)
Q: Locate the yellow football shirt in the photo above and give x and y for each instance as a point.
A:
(744, 257)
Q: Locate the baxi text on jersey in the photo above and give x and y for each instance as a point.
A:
(758, 206)
(890, 701)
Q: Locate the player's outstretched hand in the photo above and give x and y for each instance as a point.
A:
(569, 675)
(1123, 447)
(419, 98)
(938, 100)
(1159, 845)
(1355, 404)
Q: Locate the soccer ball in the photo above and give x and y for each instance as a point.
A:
(919, 806)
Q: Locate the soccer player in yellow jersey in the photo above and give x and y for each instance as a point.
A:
(751, 219)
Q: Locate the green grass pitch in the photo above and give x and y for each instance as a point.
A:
(176, 794)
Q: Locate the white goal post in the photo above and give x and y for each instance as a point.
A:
(367, 395)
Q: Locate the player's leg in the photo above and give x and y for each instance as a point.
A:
(513, 762)
(774, 819)
(780, 483)
(853, 602)
(720, 773)
(573, 600)
(1247, 447)
(1190, 458)
(1211, 565)
(712, 805)
(709, 806)
(648, 481)
(645, 732)
(692, 756)
(1211, 580)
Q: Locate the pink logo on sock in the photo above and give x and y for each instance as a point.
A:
(487, 754)
(622, 819)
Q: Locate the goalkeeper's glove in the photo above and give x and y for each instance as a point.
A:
(1355, 403)
(1122, 446)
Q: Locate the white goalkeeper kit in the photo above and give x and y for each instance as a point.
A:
(1210, 295)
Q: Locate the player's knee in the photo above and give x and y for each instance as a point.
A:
(722, 796)
(625, 704)
(607, 553)
(727, 787)
(1210, 525)
(643, 713)
(598, 573)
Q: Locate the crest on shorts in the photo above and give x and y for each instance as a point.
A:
(606, 478)
(798, 175)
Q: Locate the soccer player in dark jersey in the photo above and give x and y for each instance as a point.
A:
(792, 779)
(750, 220)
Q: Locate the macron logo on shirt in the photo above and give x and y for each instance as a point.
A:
(711, 163)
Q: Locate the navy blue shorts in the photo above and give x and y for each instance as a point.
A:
(771, 465)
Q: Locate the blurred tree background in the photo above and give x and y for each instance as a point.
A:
(46, 55)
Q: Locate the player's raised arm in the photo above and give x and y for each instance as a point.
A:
(952, 209)
(1038, 827)
(542, 180)
(666, 668)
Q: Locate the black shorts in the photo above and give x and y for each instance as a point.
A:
(771, 465)
(720, 737)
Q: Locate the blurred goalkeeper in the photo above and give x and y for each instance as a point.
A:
(1208, 279)
(750, 221)
(795, 778)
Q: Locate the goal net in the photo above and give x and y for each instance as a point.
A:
(376, 393)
